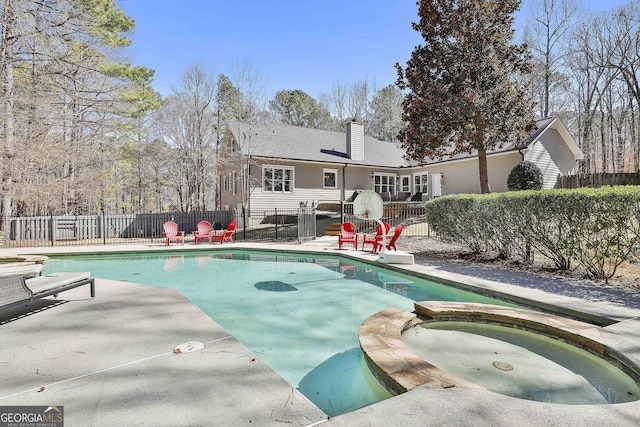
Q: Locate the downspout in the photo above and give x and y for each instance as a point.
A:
(344, 181)
(342, 196)
(521, 153)
(248, 183)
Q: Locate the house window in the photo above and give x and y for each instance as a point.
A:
(277, 179)
(405, 184)
(421, 183)
(234, 180)
(329, 178)
(225, 183)
(384, 183)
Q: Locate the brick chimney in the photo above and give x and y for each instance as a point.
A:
(355, 140)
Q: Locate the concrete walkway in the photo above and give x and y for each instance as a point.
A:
(111, 361)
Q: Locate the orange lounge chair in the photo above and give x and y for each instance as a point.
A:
(203, 232)
(172, 234)
(348, 235)
(376, 240)
(392, 242)
(227, 235)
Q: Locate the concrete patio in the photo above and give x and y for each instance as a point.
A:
(111, 361)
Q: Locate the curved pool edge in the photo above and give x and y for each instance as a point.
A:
(454, 407)
(392, 362)
(400, 370)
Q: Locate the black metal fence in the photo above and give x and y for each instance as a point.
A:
(411, 214)
(298, 224)
(69, 230)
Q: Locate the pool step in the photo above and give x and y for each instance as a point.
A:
(332, 230)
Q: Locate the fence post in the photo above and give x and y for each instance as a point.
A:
(51, 228)
(244, 223)
(276, 221)
(104, 235)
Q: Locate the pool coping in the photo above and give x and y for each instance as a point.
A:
(401, 370)
(446, 406)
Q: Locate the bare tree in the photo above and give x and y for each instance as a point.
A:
(252, 86)
(358, 101)
(189, 123)
(385, 119)
(67, 93)
(545, 33)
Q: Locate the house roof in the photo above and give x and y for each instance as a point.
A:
(542, 126)
(278, 141)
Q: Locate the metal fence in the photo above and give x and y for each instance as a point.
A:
(411, 214)
(297, 224)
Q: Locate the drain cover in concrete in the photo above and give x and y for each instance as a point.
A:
(189, 347)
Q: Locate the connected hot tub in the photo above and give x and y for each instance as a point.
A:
(515, 352)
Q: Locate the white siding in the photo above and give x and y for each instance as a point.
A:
(552, 156)
(499, 169)
(463, 177)
(268, 200)
(355, 140)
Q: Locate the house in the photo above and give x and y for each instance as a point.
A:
(273, 165)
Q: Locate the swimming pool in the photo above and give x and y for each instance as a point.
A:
(305, 309)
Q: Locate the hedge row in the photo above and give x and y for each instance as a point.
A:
(596, 229)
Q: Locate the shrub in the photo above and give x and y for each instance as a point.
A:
(525, 176)
(597, 229)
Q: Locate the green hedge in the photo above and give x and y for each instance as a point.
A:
(596, 229)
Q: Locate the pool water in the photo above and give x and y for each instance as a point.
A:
(299, 314)
(521, 364)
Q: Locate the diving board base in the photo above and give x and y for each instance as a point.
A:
(395, 258)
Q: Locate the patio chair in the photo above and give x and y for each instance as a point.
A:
(24, 268)
(19, 289)
(375, 240)
(348, 235)
(226, 235)
(172, 234)
(392, 242)
(203, 232)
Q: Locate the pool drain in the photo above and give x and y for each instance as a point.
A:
(503, 366)
(188, 347)
(275, 286)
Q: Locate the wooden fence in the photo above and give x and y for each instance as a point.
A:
(596, 180)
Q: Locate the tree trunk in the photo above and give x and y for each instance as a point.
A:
(482, 169)
(482, 158)
(6, 61)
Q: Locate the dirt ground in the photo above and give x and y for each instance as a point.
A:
(627, 275)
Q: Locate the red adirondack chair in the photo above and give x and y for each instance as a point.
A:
(172, 233)
(348, 235)
(376, 240)
(226, 235)
(392, 242)
(203, 232)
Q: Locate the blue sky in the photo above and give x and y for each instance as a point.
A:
(293, 44)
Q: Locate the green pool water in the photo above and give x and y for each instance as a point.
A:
(304, 311)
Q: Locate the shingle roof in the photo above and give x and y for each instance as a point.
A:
(278, 141)
(541, 126)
